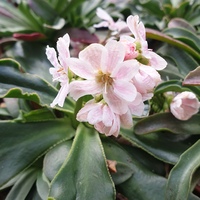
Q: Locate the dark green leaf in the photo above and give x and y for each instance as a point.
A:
(176, 55)
(54, 159)
(15, 84)
(32, 58)
(156, 145)
(84, 174)
(138, 182)
(175, 86)
(185, 36)
(125, 169)
(42, 185)
(153, 34)
(37, 115)
(23, 185)
(167, 122)
(178, 186)
(21, 144)
(43, 9)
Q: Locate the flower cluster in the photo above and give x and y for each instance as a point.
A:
(119, 76)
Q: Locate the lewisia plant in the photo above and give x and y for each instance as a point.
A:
(118, 77)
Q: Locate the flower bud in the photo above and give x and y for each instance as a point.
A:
(184, 105)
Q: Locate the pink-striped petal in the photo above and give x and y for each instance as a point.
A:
(81, 68)
(108, 116)
(126, 70)
(125, 90)
(136, 27)
(81, 88)
(52, 56)
(117, 105)
(115, 128)
(137, 106)
(95, 115)
(156, 61)
(115, 55)
(63, 49)
(126, 120)
(60, 98)
(83, 112)
(104, 15)
(93, 55)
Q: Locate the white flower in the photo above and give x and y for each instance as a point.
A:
(60, 69)
(108, 21)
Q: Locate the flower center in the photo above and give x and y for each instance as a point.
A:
(104, 79)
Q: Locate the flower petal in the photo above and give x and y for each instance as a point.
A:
(137, 106)
(108, 115)
(115, 128)
(136, 27)
(116, 104)
(101, 24)
(81, 68)
(115, 55)
(52, 56)
(83, 112)
(126, 120)
(125, 90)
(104, 15)
(126, 70)
(95, 115)
(60, 98)
(93, 55)
(63, 49)
(156, 61)
(80, 88)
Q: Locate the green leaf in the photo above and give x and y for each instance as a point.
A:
(124, 168)
(176, 55)
(84, 174)
(178, 186)
(32, 58)
(153, 34)
(42, 185)
(175, 86)
(54, 159)
(37, 115)
(21, 144)
(156, 145)
(43, 9)
(23, 185)
(172, 85)
(167, 122)
(15, 84)
(185, 36)
(138, 182)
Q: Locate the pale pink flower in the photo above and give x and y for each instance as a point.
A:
(137, 47)
(105, 73)
(184, 105)
(117, 26)
(130, 46)
(60, 69)
(101, 116)
(136, 107)
(145, 80)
